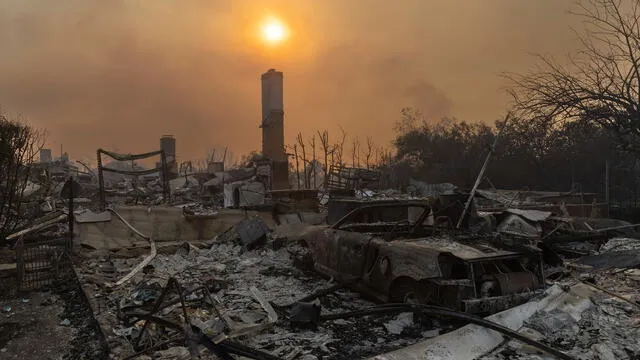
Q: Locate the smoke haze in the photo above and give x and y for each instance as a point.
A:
(119, 74)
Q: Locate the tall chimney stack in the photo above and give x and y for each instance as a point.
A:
(273, 129)
(273, 116)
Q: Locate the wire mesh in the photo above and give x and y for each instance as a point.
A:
(41, 263)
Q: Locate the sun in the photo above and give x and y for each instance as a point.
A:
(274, 31)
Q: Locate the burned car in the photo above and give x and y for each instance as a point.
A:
(400, 252)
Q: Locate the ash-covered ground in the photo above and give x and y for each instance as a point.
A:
(604, 326)
(48, 325)
(229, 272)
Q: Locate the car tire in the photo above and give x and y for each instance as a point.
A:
(407, 290)
(410, 291)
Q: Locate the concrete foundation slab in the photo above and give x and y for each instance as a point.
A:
(163, 224)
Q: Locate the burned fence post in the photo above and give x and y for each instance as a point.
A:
(70, 189)
(100, 180)
(19, 246)
(71, 209)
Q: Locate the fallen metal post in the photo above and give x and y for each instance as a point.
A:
(37, 227)
(144, 262)
(481, 174)
(613, 228)
(272, 315)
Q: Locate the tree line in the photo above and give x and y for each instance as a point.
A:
(533, 155)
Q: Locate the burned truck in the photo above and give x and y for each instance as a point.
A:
(401, 252)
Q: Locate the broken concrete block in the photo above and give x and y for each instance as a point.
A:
(397, 325)
(603, 352)
(252, 231)
(305, 315)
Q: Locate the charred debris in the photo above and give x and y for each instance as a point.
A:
(215, 266)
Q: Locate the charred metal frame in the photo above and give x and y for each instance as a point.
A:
(130, 157)
(496, 304)
(476, 303)
(40, 264)
(411, 203)
(350, 178)
(439, 311)
(425, 204)
(222, 346)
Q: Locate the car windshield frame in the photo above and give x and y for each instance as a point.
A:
(424, 204)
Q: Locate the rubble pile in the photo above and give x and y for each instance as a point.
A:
(292, 294)
(620, 244)
(235, 278)
(390, 194)
(606, 330)
(199, 209)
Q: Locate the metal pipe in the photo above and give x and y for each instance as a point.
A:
(438, 311)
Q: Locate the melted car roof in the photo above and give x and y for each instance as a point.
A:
(465, 252)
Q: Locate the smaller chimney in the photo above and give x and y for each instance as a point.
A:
(45, 156)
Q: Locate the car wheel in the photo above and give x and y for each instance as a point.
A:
(407, 290)
(410, 291)
(413, 297)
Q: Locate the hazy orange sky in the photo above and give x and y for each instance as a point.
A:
(119, 73)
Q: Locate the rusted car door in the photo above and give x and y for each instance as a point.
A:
(341, 254)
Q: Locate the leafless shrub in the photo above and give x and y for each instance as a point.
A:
(19, 146)
(600, 83)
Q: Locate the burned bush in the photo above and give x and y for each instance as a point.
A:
(19, 144)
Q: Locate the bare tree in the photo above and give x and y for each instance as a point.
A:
(355, 152)
(600, 83)
(19, 146)
(326, 149)
(302, 146)
(295, 152)
(339, 148)
(313, 160)
(369, 153)
(378, 156)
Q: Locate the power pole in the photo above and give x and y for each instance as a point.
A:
(481, 174)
